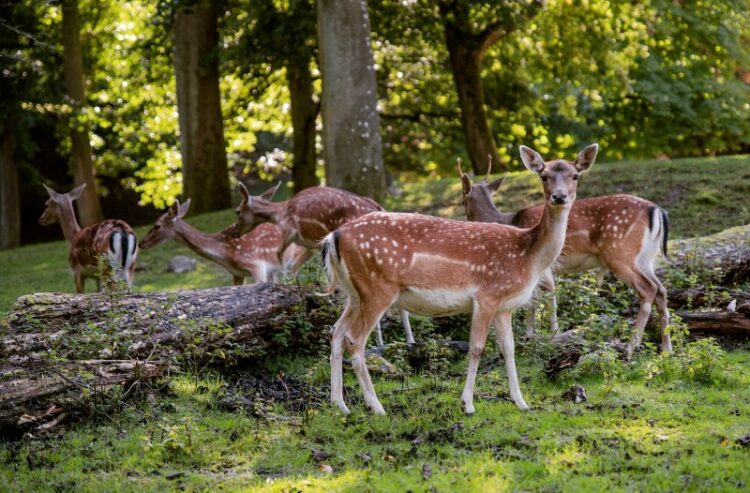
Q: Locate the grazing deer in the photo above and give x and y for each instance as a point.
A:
(253, 254)
(438, 267)
(620, 233)
(112, 238)
(307, 218)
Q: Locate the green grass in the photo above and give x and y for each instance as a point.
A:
(634, 433)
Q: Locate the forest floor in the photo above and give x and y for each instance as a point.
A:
(657, 423)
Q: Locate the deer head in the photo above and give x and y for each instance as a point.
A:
(559, 177)
(165, 229)
(59, 205)
(477, 197)
(254, 210)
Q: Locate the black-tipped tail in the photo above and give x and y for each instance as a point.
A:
(665, 236)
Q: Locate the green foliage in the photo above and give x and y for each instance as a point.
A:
(702, 361)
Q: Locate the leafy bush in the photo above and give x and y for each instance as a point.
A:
(702, 361)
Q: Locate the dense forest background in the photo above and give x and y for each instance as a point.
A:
(147, 101)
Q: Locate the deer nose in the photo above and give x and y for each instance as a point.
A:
(559, 198)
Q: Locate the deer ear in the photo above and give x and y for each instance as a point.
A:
(51, 192)
(586, 157)
(531, 159)
(466, 182)
(183, 208)
(496, 184)
(174, 209)
(243, 191)
(76, 192)
(268, 194)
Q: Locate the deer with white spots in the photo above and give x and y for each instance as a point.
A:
(438, 267)
(307, 218)
(112, 239)
(253, 254)
(620, 233)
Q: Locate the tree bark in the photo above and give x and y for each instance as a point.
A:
(205, 176)
(352, 147)
(10, 201)
(466, 58)
(304, 114)
(58, 346)
(89, 207)
(466, 50)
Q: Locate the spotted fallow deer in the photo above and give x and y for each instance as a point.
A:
(112, 238)
(620, 233)
(253, 254)
(438, 267)
(307, 218)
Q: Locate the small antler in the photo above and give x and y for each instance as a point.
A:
(489, 167)
(460, 171)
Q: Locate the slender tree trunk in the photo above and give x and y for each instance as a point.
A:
(304, 113)
(465, 57)
(205, 176)
(352, 147)
(10, 205)
(90, 210)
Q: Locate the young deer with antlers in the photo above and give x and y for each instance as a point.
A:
(620, 233)
(307, 218)
(438, 267)
(112, 238)
(253, 254)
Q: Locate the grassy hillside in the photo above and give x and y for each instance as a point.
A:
(703, 196)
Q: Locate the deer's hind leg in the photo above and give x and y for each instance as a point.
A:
(647, 291)
(355, 339)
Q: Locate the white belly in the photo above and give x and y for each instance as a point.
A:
(571, 264)
(436, 302)
(517, 299)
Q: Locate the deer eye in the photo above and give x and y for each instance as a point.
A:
(545, 179)
(575, 177)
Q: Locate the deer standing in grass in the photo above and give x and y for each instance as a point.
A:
(620, 233)
(112, 239)
(306, 219)
(439, 267)
(253, 254)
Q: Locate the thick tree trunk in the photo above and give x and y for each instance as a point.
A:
(60, 347)
(304, 114)
(205, 176)
(352, 147)
(465, 57)
(10, 205)
(90, 210)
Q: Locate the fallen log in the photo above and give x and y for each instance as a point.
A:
(60, 352)
(724, 257)
(699, 297)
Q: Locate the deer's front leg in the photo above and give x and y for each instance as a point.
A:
(80, 282)
(504, 335)
(480, 327)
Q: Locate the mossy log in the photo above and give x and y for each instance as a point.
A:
(724, 257)
(61, 351)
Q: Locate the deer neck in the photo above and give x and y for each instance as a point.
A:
(494, 216)
(268, 211)
(547, 238)
(205, 245)
(69, 223)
